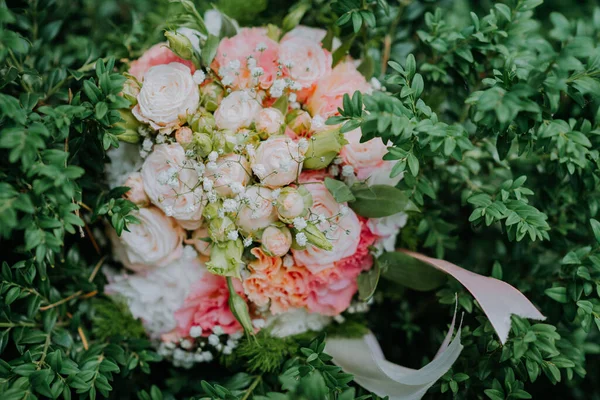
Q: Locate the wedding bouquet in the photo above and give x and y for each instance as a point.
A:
(254, 213)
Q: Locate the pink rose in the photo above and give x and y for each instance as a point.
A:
(361, 260)
(270, 284)
(236, 111)
(136, 193)
(276, 241)
(207, 306)
(155, 242)
(363, 157)
(278, 161)
(247, 59)
(330, 292)
(257, 211)
(340, 225)
(156, 55)
(168, 95)
(232, 170)
(270, 121)
(172, 184)
(330, 90)
(305, 61)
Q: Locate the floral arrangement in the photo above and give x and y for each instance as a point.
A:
(243, 224)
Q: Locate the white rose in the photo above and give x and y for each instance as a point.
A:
(172, 184)
(238, 110)
(168, 94)
(387, 228)
(258, 211)
(155, 242)
(270, 120)
(364, 157)
(278, 161)
(305, 60)
(232, 169)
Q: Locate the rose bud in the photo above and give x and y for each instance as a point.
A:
(136, 193)
(323, 147)
(299, 121)
(202, 144)
(130, 127)
(292, 203)
(226, 258)
(316, 237)
(180, 45)
(183, 136)
(270, 121)
(202, 121)
(276, 241)
(211, 95)
(219, 229)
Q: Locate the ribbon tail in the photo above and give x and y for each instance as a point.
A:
(498, 299)
(364, 359)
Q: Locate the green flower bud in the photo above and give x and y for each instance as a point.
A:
(316, 237)
(211, 95)
(273, 32)
(323, 147)
(130, 127)
(202, 143)
(225, 141)
(219, 228)
(299, 121)
(226, 258)
(180, 45)
(211, 211)
(239, 308)
(202, 121)
(293, 202)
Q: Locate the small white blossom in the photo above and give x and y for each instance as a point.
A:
(213, 340)
(147, 144)
(211, 166)
(160, 138)
(321, 218)
(259, 170)
(334, 170)
(212, 196)
(199, 77)
(257, 71)
(186, 344)
(233, 235)
(258, 323)
(261, 46)
(293, 97)
(343, 210)
(248, 241)
(295, 86)
(227, 80)
(234, 65)
(227, 350)
(208, 184)
(208, 357)
(218, 330)
(317, 122)
(230, 205)
(195, 331)
(301, 239)
(288, 261)
(347, 170)
(237, 187)
(299, 223)
(275, 193)
(250, 150)
(213, 156)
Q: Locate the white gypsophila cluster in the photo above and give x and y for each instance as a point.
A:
(295, 322)
(198, 349)
(360, 307)
(124, 160)
(155, 296)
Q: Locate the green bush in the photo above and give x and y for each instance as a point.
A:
(492, 109)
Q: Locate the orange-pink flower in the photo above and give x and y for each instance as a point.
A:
(156, 55)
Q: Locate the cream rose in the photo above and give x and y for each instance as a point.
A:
(238, 110)
(305, 60)
(340, 225)
(270, 120)
(276, 241)
(136, 193)
(387, 228)
(155, 242)
(233, 170)
(278, 161)
(363, 157)
(257, 212)
(173, 184)
(168, 95)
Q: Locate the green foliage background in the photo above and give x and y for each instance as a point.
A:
(495, 118)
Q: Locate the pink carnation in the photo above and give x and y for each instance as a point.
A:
(207, 306)
(331, 291)
(232, 61)
(156, 55)
(330, 90)
(362, 259)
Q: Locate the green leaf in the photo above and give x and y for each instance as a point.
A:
(557, 293)
(410, 272)
(209, 51)
(378, 201)
(596, 229)
(367, 282)
(339, 190)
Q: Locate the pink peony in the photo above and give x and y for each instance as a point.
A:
(330, 90)
(364, 157)
(247, 59)
(156, 55)
(207, 306)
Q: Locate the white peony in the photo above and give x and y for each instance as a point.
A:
(238, 110)
(168, 94)
(172, 183)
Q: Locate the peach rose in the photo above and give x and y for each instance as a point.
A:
(247, 59)
(276, 241)
(236, 111)
(271, 284)
(330, 292)
(340, 225)
(207, 307)
(155, 242)
(168, 95)
(231, 169)
(278, 161)
(364, 157)
(136, 193)
(270, 120)
(330, 90)
(305, 61)
(184, 135)
(257, 211)
(172, 184)
(158, 54)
